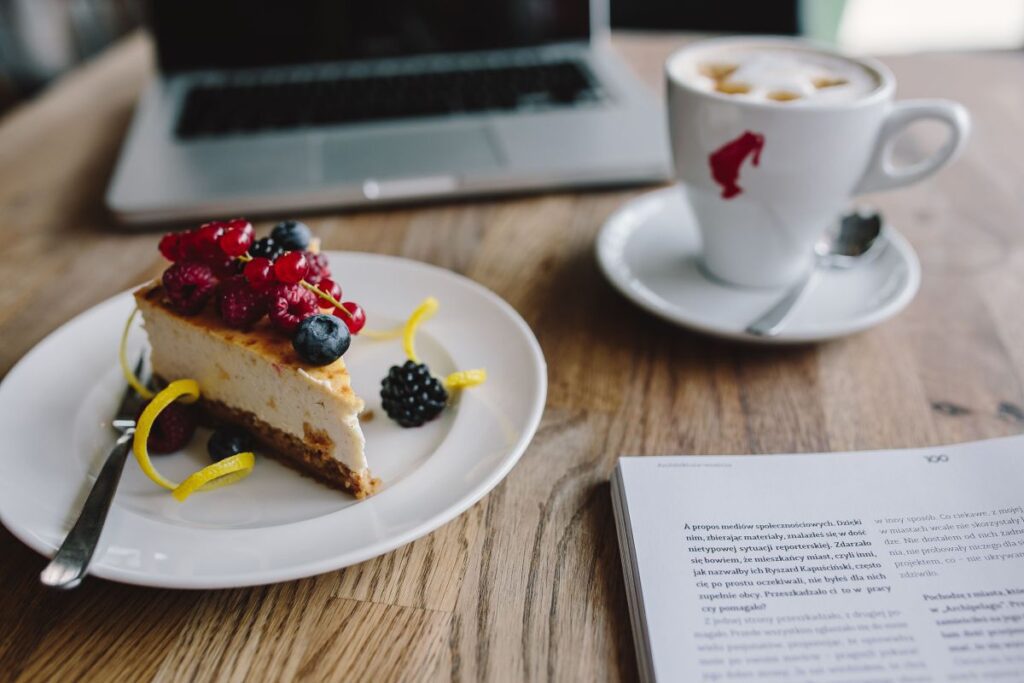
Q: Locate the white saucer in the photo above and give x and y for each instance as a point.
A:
(649, 249)
(55, 407)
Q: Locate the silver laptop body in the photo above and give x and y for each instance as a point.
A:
(614, 134)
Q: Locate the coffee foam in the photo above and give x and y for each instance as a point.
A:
(788, 75)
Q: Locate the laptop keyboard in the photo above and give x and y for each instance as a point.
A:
(247, 107)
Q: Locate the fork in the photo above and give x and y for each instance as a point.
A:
(71, 562)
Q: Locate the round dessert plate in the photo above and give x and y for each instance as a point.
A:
(650, 251)
(275, 525)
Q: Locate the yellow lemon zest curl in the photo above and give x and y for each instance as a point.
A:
(464, 379)
(122, 355)
(425, 311)
(213, 476)
(227, 471)
(407, 330)
(384, 335)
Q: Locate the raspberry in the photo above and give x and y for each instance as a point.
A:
(189, 285)
(172, 429)
(355, 318)
(291, 267)
(290, 305)
(317, 267)
(238, 304)
(224, 266)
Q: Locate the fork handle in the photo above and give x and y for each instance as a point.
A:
(70, 564)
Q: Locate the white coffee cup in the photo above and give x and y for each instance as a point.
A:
(758, 226)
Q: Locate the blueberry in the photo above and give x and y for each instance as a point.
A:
(321, 339)
(292, 235)
(228, 441)
(266, 247)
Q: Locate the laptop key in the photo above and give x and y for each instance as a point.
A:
(251, 107)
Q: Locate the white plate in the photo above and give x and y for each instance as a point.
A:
(650, 249)
(275, 525)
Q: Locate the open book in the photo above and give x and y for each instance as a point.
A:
(874, 566)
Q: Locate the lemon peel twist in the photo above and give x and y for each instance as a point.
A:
(384, 335)
(464, 379)
(122, 355)
(213, 476)
(425, 311)
(219, 474)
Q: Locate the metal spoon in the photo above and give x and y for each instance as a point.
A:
(855, 240)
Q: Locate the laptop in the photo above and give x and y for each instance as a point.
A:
(272, 106)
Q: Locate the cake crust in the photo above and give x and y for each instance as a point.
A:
(310, 457)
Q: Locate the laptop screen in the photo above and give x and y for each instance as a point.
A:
(194, 34)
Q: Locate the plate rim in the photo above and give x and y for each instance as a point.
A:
(261, 577)
(614, 224)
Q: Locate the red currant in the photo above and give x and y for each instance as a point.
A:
(235, 242)
(188, 246)
(170, 246)
(202, 243)
(260, 272)
(240, 224)
(291, 267)
(353, 315)
(331, 289)
(210, 233)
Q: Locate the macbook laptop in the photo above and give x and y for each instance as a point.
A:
(277, 106)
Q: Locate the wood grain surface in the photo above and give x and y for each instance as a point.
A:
(526, 585)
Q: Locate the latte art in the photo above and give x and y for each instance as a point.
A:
(787, 75)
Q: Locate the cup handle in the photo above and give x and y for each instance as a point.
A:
(882, 174)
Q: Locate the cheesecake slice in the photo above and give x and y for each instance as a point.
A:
(306, 417)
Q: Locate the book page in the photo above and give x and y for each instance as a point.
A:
(882, 566)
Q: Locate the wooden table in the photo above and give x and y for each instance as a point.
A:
(527, 583)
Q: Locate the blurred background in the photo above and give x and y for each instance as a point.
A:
(40, 39)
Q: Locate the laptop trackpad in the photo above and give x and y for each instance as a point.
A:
(411, 153)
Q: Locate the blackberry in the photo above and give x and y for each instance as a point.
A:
(267, 248)
(411, 395)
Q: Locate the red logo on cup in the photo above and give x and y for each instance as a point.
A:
(726, 161)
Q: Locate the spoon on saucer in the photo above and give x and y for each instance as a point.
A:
(855, 240)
